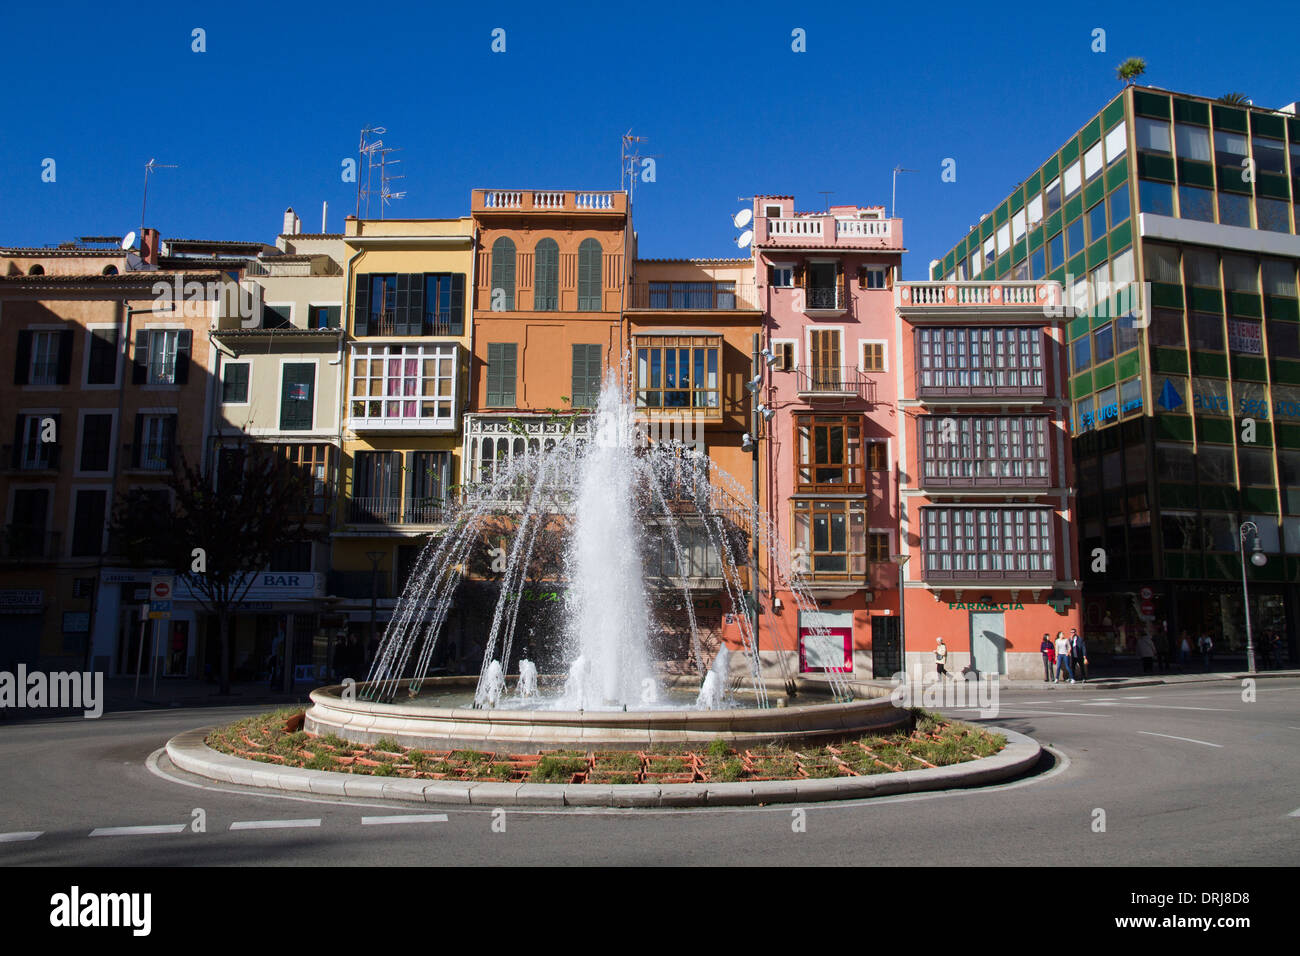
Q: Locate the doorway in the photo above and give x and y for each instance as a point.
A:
(885, 658)
(988, 643)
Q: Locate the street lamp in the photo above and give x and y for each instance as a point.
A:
(376, 559)
(901, 561)
(1258, 558)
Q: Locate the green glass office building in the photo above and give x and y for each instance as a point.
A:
(1171, 221)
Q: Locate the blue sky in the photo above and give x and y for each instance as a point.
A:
(264, 118)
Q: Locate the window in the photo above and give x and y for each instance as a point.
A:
(297, 396)
(1283, 339)
(1130, 398)
(1176, 463)
(785, 356)
(1074, 240)
(1004, 238)
(1127, 333)
(679, 372)
(984, 358)
(990, 251)
(1122, 269)
(701, 559)
(586, 376)
(1157, 198)
(1108, 411)
(234, 383)
(1116, 143)
(43, 357)
(1202, 268)
(878, 547)
(1162, 264)
(1037, 263)
(1018, 225)
(1214, 463)
(692, 295)
(1082, 352)
(872, 277)
(986, 543)
(102, 367)
(27, 531)
(30, 453)
(877, 456)
(316, 464)
(968, 449)
(1193, 142)
(323, 316)
(772, 212)
(1245, 337)
(873, 356)
(1056, 251)
(1206, 330)
(1279, 277)
(292, 556)
(1083, 414)
(589, 277)
(501, 374)
(1053, 194)
(89, 511)
(444, 303)
(830, 536)
(428, 477)
(1096, 222)
(828, 451)
(1234, 210)
(155, 440)
(1229, 148)
(1166, 327)
(1152, 135)
(1073, 179)
(1092, 162)
(546, 283)
(162, 357)
(1273, 214)
(1240, 273)
(397, 383)
(1035, 208)
(277, 316)
(1119, 205)
(1103, 342)
(1270, 154)
(96, 442)
(376, 487)
(503, 276)
(780, 276)
(1196, 203)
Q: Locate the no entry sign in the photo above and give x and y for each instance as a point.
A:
(160, 597)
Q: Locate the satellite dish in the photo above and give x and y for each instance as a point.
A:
(129, 241)
(745, 238)
(743, 218)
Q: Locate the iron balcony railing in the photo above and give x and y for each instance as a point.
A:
(395, 511)
(32, 456)
(825, 297)
(29, 544)
(44, 372)
(151, 456)
(434, 323)
(849, 380)
(709, 295)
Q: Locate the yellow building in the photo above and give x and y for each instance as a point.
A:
(405, 388)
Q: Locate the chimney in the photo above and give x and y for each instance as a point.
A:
(149, 242)
(324, 217)
(290, 223)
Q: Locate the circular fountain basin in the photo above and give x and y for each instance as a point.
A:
(810, 717)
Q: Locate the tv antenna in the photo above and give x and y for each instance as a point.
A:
(893, 192)
(373, 153)
(828, 193)
(630, 158)
(149, 167)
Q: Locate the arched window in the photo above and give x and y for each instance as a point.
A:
(36, 270)
(110, 270)
(546, 287)
(589, 276)
(503, 274)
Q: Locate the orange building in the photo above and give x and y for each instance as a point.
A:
(987, 507)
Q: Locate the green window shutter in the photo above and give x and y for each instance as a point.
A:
(503, 273)
(586, 376)
(458, 303)
(546, 285)
(361, 310)
(297, 396)
(501, 374)
(589, 297)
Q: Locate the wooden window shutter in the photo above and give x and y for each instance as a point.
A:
(361, 310)
(862, 277)
(137, 442)
(458, 303)
(23, 358)
(64, 374)
(140, 360)
(184, 344)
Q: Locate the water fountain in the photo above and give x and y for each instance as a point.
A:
(598, 491)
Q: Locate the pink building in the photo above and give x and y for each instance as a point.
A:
(825, 284)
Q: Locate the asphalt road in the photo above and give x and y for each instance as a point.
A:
(1184, 774)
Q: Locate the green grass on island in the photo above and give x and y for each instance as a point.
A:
(933, 741)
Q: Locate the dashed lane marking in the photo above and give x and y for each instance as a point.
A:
(405, 818)
(139, 831)
(274, 824)
(20, 836)
(1190, 740)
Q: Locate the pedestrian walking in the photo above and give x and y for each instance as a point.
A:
(1146, 649)
(1049, 654)
(1162, 647)
(1206, 646)
(1184, 652)
(941, 658)
(1079, 655)
(1063, 657)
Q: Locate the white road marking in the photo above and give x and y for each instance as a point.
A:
(139, 831)
(1294, 813)
(20, 836)
(1005, 712)
(405, 818)
(1190, 740)
(274, 824)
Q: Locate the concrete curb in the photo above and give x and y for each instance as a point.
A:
(189, 752)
